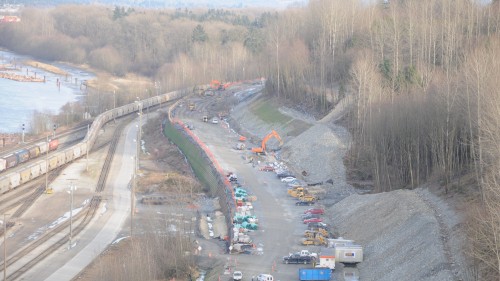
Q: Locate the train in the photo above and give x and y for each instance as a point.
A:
(13, 177)
(23, 155)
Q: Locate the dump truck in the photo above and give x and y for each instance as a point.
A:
(315, 274)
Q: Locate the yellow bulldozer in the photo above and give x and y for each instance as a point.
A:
(318, 240)
(297, 192)
(307, 198)
(315, 233)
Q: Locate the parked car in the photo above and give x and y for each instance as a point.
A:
(310, 216)
(294, 184)
(297, 258)
(312, 225)
(288, 179)
(265, 277)
(284, 174)
(237, 276)
(304, 203)
(314, 211)
(267, 169)
(313, 220)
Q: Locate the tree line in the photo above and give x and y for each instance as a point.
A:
(419, 76)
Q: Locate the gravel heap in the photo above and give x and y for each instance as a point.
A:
(399, 233)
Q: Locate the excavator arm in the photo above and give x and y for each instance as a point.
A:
(262, 148)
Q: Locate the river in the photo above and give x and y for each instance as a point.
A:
(18, 100)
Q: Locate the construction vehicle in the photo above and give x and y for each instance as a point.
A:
(297, 192)
(307, 198)
(217, 85)
(317, 241)
(315, 232)
(262, 148)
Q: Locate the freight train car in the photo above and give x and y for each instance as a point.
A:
(23, 155)
(13, 179)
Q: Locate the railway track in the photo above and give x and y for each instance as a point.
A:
(49, 241)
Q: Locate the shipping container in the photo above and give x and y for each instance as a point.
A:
(3, 164)
(22, 155)
(25, 175)
(349, 254)
(52, 163)
(15, 180)
(53, 145)
(4, 184)
(35, 171)
(43, 147)
(34, 151)
(11, 161)
(69, 155)
(315, 274)
(83, 148)
(61, 159)
(77, 152)
(43, 166)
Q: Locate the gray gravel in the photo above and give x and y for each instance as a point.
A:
(406, 234)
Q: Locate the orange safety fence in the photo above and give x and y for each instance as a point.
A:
(208, 153)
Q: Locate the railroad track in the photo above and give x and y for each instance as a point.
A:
(84, 217)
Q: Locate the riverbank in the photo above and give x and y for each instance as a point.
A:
(46, 67)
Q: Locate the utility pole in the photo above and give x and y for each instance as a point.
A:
(4, 247)
(22, 138)
(47, 167)
(114, 106)
(87, 149)
(72, 189)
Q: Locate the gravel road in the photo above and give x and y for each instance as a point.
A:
(406, 234)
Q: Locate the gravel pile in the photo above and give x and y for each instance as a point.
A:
(399, 232)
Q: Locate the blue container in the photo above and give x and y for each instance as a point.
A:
(315, 274)
(22, 155)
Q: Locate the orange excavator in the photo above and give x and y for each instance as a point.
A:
(262, 148)
(217, 85)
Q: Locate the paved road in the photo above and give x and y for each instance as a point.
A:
(112, 217)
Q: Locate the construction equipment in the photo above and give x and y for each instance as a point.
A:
(307, 198)
(318, 240)
(217, 85)
(262, 147)
(314, 233)
(297, 192)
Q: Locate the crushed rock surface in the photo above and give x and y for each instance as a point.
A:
(401, 231)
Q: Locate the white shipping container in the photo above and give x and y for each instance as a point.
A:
(349, 254)
(43, 147)
(3, 164)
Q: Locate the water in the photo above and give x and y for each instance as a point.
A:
(18, 100)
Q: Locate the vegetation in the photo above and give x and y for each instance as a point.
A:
(421, 77)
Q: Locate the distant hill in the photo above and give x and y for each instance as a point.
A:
(173, 3)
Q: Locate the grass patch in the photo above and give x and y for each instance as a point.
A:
(201, 166)
(268, 112)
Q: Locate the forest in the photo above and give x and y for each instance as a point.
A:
(420, 79)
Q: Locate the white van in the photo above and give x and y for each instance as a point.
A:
(265, 277)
